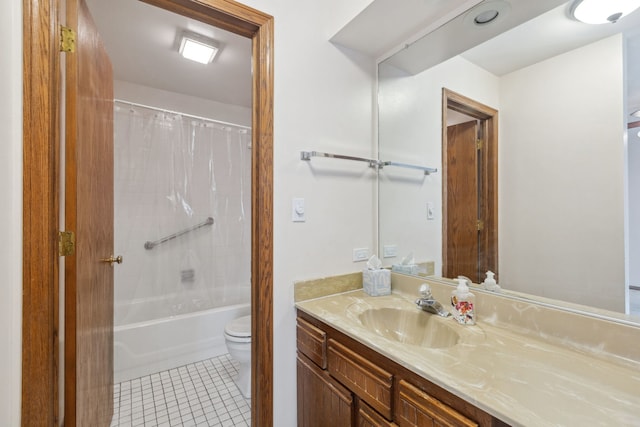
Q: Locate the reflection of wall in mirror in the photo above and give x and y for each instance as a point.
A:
(410, 130)
(559, 244)
(561, 186)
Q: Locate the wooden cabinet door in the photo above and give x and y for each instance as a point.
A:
(322, 401)
(416, 408)
(88, 393)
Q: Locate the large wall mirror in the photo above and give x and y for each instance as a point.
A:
(567, 157)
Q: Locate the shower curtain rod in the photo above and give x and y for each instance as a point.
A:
(135, 104)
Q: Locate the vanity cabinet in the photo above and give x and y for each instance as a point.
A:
(342, 382)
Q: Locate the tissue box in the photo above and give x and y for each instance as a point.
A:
(412, 269)
(376, 282)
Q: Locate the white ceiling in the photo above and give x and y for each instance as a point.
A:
(143, 40)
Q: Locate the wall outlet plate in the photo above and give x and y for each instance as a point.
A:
(360, 254)
(389, 251)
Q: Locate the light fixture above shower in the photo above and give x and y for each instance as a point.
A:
(198, 48)
(602, 11)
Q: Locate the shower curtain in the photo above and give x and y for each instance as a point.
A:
(172, 173)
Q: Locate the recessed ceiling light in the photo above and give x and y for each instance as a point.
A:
(486, 17)
(198, 48)
(602, 11)
(487, 13)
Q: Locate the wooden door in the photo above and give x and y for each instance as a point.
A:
(462, 251)
(88, 393)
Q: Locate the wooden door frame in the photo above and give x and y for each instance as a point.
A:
(41, 175)
(489, 116)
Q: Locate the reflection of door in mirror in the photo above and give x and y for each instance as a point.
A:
(469, 147)
(463, 217)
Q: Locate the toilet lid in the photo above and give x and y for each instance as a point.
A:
(240, 327)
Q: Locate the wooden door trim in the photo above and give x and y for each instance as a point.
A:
(40, 213)
(489, 117)
(41, 81)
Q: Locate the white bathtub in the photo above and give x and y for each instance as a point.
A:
(147, 347)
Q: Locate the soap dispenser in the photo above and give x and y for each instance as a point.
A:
(490, 282)
(463, 303)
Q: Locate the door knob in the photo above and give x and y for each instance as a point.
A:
(113, 259)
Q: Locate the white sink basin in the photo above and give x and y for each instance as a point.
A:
(414, 327)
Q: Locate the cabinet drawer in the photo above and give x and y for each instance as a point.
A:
(417, 408)
(368, 381)
(367, 417)
(312, 342)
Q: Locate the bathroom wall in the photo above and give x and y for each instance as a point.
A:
(324, 100)
(539, 163)
(186, 104)
(10, 211)
(206, 268)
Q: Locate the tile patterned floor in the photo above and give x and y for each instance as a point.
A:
(200, 394)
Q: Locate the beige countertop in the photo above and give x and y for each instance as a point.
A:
(521, 379)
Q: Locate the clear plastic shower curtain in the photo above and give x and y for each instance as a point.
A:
(172, 173)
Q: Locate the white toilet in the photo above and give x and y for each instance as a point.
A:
(237, 337)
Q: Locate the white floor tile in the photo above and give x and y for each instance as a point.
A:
(200, 394)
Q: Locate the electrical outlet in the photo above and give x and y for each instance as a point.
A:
(360, 254)
(389, 251)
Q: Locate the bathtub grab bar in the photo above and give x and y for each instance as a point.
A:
(151, 245)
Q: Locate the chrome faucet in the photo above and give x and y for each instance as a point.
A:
(426, 302)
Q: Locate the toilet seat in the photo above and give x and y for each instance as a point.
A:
(238, 330)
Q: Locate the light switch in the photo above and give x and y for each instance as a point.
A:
(430, 211)
(297, 210)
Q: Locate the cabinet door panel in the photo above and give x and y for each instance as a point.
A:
(322, 401)
(417, 408)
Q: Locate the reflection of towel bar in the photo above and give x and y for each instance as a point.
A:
(151, 245)
(427, 171)
(307, 155)
(379, 164)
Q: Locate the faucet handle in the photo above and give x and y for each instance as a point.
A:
(425, 291)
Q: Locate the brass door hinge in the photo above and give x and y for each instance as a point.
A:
(66, 243)
(67, 39)
(480, 225)
(479, 144)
